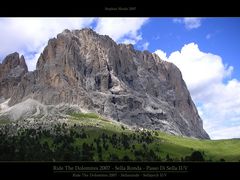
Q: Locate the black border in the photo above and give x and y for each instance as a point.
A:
(123, 8)
(194, 169)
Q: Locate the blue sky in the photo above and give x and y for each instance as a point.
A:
(219, 36)
(206, 50)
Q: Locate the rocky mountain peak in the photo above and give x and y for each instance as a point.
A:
(83, 68)
(11, 62)
(12, 70)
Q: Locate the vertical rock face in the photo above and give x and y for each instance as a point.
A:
(92, 71)
(12, 69)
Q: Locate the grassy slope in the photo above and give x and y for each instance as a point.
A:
(163, 144)
(94, 126)
(213, 149)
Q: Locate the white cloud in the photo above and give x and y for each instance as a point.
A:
(129, 41)
(31, 59)
(199, 69)
(177, 20)
(190, 23)
(208, 36)
(145, 45)
(29, 36)
(218, 102)
(121, 29)
(161, 54)
(225, 133)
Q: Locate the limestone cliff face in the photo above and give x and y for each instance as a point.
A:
(12, 69)
(137, 88)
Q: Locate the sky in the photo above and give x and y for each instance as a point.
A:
(206, 50)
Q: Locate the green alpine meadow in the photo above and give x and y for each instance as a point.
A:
(90, 137)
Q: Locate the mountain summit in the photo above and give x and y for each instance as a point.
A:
(12, 70)
(92, 72)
